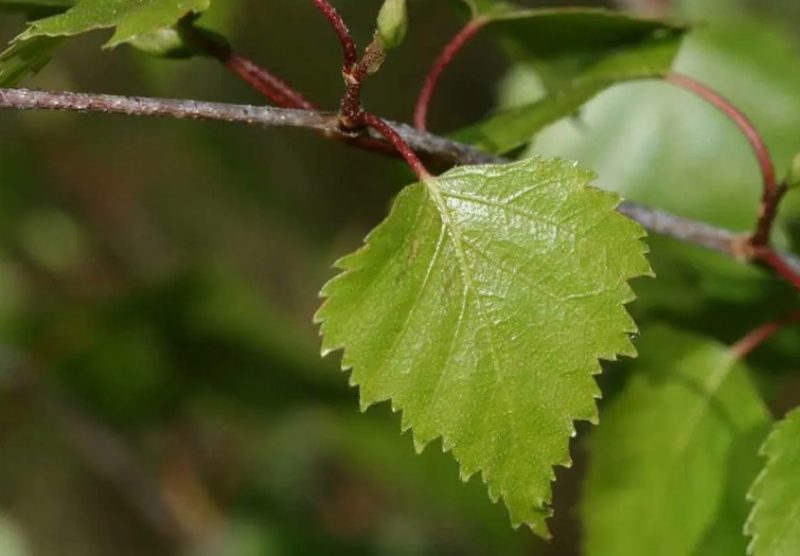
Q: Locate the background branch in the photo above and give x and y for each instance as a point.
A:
(104, 452)
(430, 147)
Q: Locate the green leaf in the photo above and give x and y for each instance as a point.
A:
(674, 455)
(26, 57)
(130, 18)
(577, 52)
(516, 127)
(480, 308)
(146, 25)
(773, 523)
(488, 8)
(23, 58)
(793, 177)
(655, 144)
(584, 34)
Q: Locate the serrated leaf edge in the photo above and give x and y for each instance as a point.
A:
(770, 457)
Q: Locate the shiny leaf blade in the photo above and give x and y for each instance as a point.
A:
(773, 523)
(480, 308)
(674, 455)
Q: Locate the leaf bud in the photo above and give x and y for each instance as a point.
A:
(793, 179)
(392, 23)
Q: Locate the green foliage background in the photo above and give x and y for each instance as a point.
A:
(162, 276)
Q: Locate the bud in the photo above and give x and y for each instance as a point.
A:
(392, 23)
(793, 179)
(175, 43)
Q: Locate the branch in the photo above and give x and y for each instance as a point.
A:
(354, 70)
(105, 453)
(349, 49)
(435, 149)
(431, 147)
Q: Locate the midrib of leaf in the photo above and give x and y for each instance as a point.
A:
(453, 230)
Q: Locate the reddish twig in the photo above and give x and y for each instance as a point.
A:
(353, 70)
(441, 63)
(768, 212)
(769, 257)
(399, 144)
(772, 193)
(754, 339)
(271, 86)
(259, 78)
(351, 113)
(436, 150)
(349, 48)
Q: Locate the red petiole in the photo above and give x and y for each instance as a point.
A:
(441, 63)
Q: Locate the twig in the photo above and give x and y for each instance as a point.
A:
(349, 48)
(259, 78)
(354, 70)
(437, 69)
(754, 339)
(778, 263)
(772, 193)
(436, 148)
(768, 212)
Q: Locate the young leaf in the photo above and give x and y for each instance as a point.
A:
(25, 57)
(480, 308)
(773, 523)
(578, 52)
(674, 455)
(645, 139)
(514, 128)
(793, 177)
(130, 18)
(585, 35)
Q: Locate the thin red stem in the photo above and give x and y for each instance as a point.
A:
(441, 63)
(767, 215)
(772, 194)
(754, 339)
(768, 256)
(399, 144)
(268, 84)
(349, 48)
(744, 124)
(259, 78)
